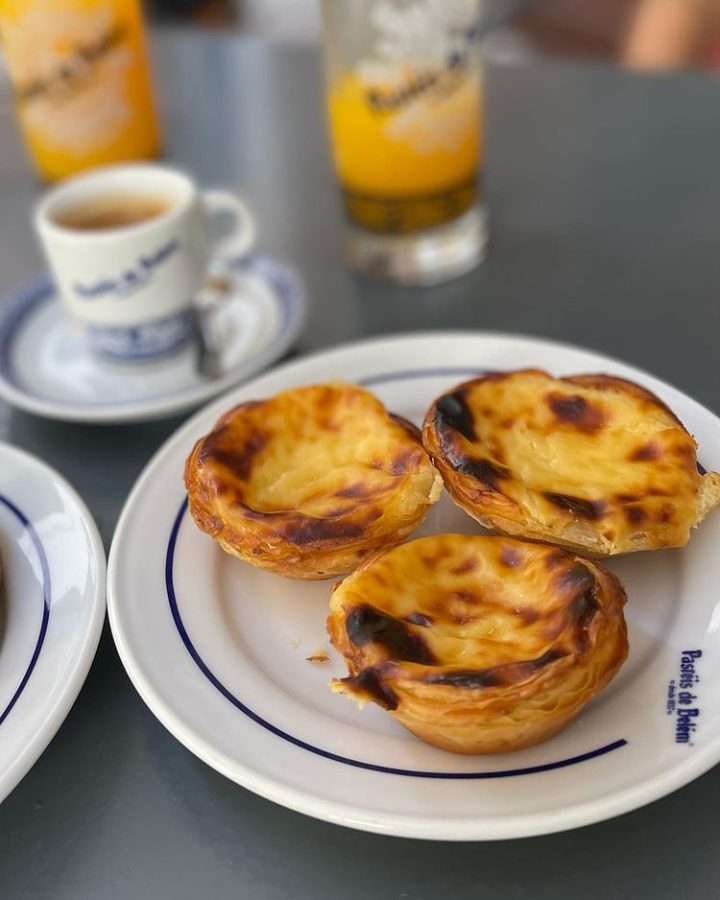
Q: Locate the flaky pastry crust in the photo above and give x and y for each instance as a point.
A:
(478, 644)
(311, 482)
(593, 463)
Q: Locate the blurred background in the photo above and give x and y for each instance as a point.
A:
(660, 34)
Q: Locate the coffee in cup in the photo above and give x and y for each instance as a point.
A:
(111, 211)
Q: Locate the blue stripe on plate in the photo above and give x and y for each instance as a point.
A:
(40, 550)
(19, 307)
(423, 373)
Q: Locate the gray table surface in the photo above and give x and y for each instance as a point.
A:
(604, 192)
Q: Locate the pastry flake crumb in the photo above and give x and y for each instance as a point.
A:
(294, 643)
(319, 656)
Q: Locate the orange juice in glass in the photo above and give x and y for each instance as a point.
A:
(81, 80)
(404, 107)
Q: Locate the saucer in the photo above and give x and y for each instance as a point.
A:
(48, 368)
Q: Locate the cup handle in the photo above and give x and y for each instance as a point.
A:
(242, 237)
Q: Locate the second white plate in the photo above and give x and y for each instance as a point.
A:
(52, 606)
(218, 649)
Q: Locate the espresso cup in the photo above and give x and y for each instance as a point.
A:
(129, 247)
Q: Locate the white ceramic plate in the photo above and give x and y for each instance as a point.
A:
(47, 367)
(218, 649)
(52, 605)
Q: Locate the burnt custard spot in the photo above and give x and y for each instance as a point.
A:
(229, 491)
(370, 682)
(466, 596)
(667, 511)
(549, 656)
(478, 678)
(418, 618)
(497, 676)
(578, 584)
(635, 515)
(555, 559)
(479, 469)
(646, 452)
(468, 565)
(528, 615)
(511, 557)
(357, 491)
(517, 672)
(452, 411)
(581, 614)
(338, 511)
(685, 452)
(239, 460)
(583, 608)
(575, 410)
(576, 579)
(307, 530)
(405, 461)
(585, 509)
(366, 624)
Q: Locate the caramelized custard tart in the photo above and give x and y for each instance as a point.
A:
(592, 462)
(478, 644)
(310, 482)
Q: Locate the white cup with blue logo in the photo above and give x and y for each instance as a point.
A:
(129, 247)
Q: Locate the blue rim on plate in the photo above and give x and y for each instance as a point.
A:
(319, 751)
(46, 587)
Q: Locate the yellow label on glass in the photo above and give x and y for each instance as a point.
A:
(406, 144)
(81, 81)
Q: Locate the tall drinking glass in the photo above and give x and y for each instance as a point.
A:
(404, 96)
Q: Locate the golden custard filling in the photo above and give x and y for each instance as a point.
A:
(311, 481)
(478, 644)
(592, 462)
(326, 451)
